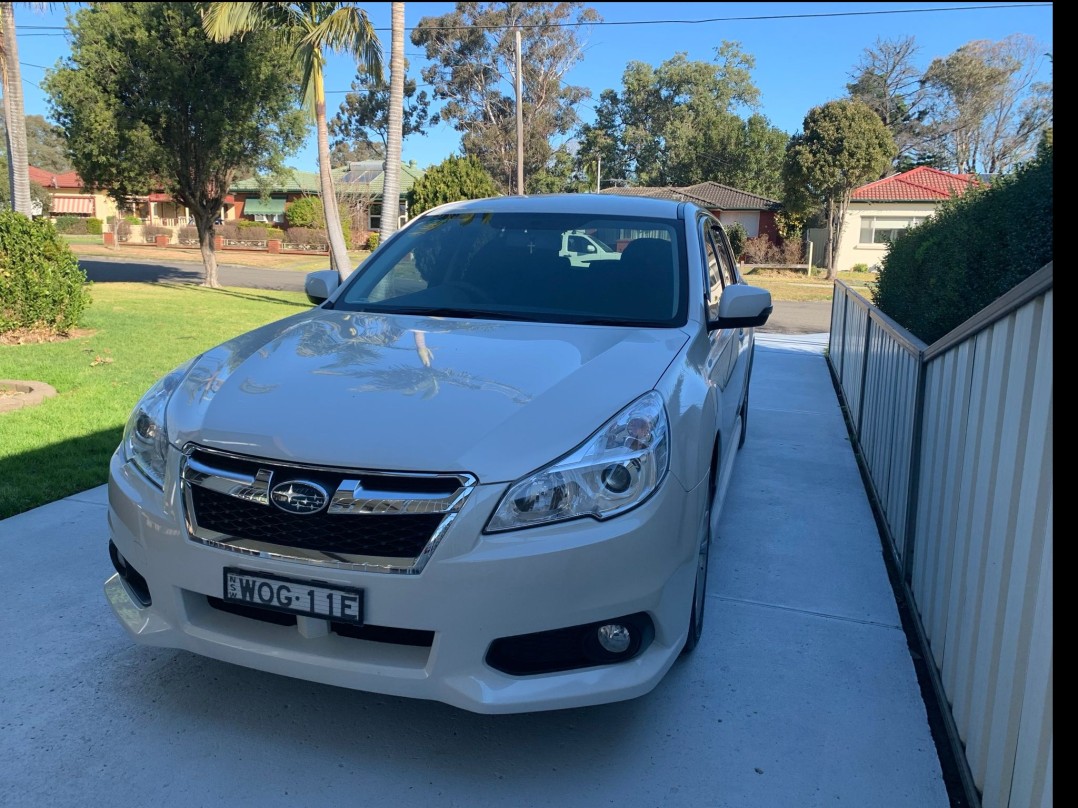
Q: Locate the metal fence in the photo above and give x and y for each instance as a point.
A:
(956, 439)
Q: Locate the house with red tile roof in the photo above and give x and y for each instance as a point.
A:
(70, 197)
(882, 210)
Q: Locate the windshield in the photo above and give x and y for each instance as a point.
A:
(543, 267)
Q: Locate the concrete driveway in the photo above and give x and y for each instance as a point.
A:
(802, 692)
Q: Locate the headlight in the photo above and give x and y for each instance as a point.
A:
(145, 440)
(616, 469)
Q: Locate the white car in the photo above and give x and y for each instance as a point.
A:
(475, 473)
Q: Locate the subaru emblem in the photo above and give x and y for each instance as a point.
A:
(299, 497)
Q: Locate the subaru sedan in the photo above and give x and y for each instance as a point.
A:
(480, 470)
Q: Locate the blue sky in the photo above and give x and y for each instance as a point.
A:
(804, 51)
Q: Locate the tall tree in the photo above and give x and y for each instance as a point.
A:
(147, 101)
(680, 123)
(888, 80)
(843, 145)
(391, 179)
(989, 107)
(453, 179)
(360, 129)
(11, 75)
(45, 145)
(312, 28)
(473, 70)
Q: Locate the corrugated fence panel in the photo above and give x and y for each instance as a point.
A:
(887, 422)
(853, 360)
(1027, 529)
(976, 538)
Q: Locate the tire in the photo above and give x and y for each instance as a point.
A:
(699, 594)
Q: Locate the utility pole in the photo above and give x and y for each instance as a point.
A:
(598, 171)
(520, 122)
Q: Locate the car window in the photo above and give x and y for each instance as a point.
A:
(519, 266)
(714, 264)
(726, 256)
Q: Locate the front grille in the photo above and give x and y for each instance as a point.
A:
(387, 536)
(385, 522)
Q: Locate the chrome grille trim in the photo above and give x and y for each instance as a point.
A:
(350, 499)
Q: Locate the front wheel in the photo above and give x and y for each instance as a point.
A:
(699, 594)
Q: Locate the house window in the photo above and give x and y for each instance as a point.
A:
(268, 217)
(885, 229)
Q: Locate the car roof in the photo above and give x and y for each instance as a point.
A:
(599, 204)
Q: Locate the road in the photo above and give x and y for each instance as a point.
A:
(788, 317)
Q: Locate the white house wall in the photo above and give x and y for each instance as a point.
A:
(750, 220)
(850, 251)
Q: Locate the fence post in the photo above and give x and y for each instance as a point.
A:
(808, 272)
(273, 245)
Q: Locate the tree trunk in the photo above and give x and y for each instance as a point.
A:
(391, 184)
(831, 235)
(204, 225)
(18, 161)
(338, 251)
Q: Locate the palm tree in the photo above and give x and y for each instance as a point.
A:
(15, 117)
(312, 28)
(391, 185)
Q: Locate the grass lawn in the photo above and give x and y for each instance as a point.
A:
(132, 334)
(253, 258)
(795, 285)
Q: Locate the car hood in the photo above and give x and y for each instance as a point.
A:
(494, 398)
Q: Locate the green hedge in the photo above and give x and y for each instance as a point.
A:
(974, 249)
(41, 283)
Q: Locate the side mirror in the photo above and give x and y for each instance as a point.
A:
(742, 307)
(320, 285)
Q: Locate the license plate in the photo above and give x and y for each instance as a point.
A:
(307, 598)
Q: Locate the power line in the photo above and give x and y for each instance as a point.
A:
(745, 18)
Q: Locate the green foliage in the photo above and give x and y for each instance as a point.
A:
(361, 127)
(93, 226)
(738, 235)
(973, 250)
(843, 145)
(859, 268)
(453, 179)
(41, 283)
(686, 122)
(372, 241)
(146, 99)
(71, 225)
(308, 211)
(305, 212)
(471, 53)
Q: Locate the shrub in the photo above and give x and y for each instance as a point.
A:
(974, 249)
(66, 224)
(859, 268)
(132, 220)
(305, 212)
(151, 231)
(123, 230)
(306, 236)
(274, 232)
(737, 234)
(188, 234)
(229, 231)
(791, 251)
(41, 284)
(758, 250)
(93, 227)
(372, 241)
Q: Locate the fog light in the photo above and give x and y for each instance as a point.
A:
(614, 638)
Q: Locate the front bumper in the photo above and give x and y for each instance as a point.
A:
(474, 590)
